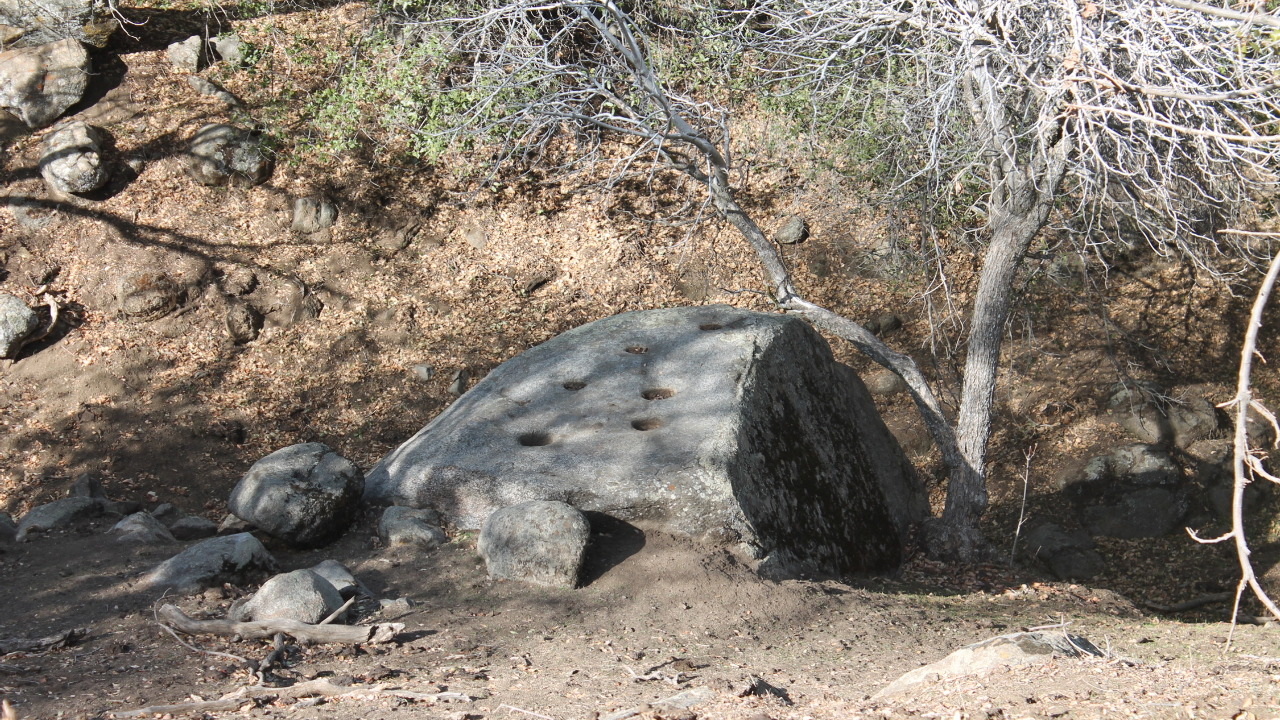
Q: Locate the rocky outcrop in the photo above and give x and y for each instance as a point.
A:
(39, 83)
(304, 494)
(38, 22)
(541, 542)
(709, 421)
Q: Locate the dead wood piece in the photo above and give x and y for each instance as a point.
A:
(1191, 604)
(51, 642)
(302, 632)
(320, 688)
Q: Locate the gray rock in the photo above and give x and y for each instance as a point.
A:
(1146, 512)
(17, 323)
(424, 372)
(38, 84)
(87, 485)
(1130, 466)
(541, 541)
(408, 526)
(166, 513)
(1025, 648)
(8, 528)
(142, 528)
(239, 281)
(37, 22)
(1147, 412)
(244, 322)
(337, 575)
(238, 559)
(71, 159)
(232, 525)
(57, 515)
(885, 382)
(1070, 555)
(231, 49)
(709, 421)
(147, 295)
(300, 595)
(304, 494)
(212, 89)
(313, 214)
(193, 527)
(794, 230)
(227, 155)
(188, 55)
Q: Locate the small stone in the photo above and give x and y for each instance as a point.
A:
(87, 485)
(300, 595)
(227, 155)
(231, 49)
(17, 323)
(71, 159)
(476, 237)
(541, 541)
(244, 323)
(57, 515)
(188, 55)
(459, 383)
(885, 382)
(424, 372)
(794, 230)
(401, 526)
(232, 525)
(142, 528)
(312, 214)
(193, 527)
(238, 559)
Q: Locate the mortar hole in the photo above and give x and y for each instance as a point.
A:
(534, 439)
(710, 326)
(646, 424)
(637, 349)
(657, 393)
(574, 385)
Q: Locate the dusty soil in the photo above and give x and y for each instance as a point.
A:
(171, 410)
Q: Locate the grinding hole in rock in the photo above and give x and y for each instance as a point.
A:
(574, 385)
(646, 424)
(534, 439)
(710, 326)
(637, 349)
(769, 442)
(658, 393)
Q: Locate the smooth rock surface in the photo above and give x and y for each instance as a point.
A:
(44, 21)
(794, 230)
(142, 528)
(304, 494)
(17, 322)
(238, 559)
(231, 49)
(227, 155)
(337, 575)
(39, 83)
(400, 526)
(300, 595)
(57, 515)
(71, 159)
(541, 541)
(709, 421)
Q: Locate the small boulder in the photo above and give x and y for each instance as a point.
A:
(230, 49)
(166, 513)
(71, 159)
(541, 541)
(794, 230)
(238, 559)
(244, 322)
(38, 84)
(142, 528)
(227, 155)
(300, 595)
(57, 515)
(17, 323)
(193, 527)
(304, 494)
(147, 295)
(313, 214)
(232, 525)
(188, 55)
(87, 485)
(885, 382)
(1150, 415)
(1070, 555)
(408, 526)
(1135, 491)
(337, 575)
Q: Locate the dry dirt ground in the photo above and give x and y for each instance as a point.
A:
(171, 410)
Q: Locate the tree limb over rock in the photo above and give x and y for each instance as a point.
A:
(302, 632)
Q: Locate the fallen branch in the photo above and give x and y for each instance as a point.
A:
(1191, 604)
(322, 687)
(51, 642)
(302, 632)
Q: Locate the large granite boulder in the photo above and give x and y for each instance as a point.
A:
(303, 494)
(708, 421)
(25, 23)
(38, 84)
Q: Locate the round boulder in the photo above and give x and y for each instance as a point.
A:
(304, 494)
(227, 155)
(71, 159)
(17, 322)
(300, 595)
(541, 541)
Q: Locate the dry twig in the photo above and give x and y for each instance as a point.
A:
(322, 687)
